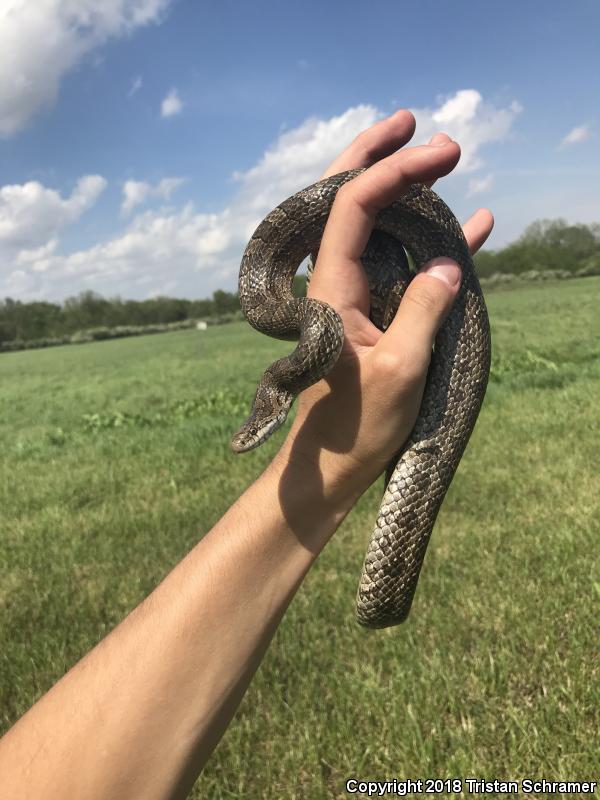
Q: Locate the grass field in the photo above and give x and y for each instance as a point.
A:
(115, 462)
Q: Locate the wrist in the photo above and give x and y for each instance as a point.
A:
(315, 481)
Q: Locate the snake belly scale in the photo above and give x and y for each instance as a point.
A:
(419, 476)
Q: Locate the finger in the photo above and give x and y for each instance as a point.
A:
(437, 138)
(477, 229)
(358, 201)
(422, 310)
(342, 283)
(374, 143)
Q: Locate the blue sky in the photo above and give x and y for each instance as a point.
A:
(141, 141)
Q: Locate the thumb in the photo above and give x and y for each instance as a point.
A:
(423, 309)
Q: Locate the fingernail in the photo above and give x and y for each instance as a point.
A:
(444, 269)
(439, 140)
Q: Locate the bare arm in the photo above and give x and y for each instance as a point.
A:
(140, 714)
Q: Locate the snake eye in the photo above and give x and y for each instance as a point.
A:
(253, 431)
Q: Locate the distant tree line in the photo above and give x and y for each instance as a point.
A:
(90, 313)
(547, 249)
(43, 320)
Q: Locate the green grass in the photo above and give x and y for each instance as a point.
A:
(115, 461)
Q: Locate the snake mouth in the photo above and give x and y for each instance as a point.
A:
(252, 435)
(269, 412)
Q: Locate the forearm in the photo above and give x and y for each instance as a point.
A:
(140, 714)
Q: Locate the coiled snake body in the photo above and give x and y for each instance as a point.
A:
(418, 477)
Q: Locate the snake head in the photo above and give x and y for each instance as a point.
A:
(250, 436)
(269, 412)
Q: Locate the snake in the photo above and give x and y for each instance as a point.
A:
(417, 478)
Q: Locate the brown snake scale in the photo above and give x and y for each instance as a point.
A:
(419, 476)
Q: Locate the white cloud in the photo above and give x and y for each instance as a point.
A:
(41, 40)
(298, 157)
(18, 283)
(466, 118)
(153, 248)
(479, 185)
(31, 214)
(576, 136)
(171, 105)
(198, 252)
(136, 85)
(137, 192)
(38, 254)
(134, 193)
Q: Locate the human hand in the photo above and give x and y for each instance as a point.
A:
(351, 424)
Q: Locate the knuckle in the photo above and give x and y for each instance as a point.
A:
(346, 195)
(415, 362)
(387, 363)
(405, 366)
(351, 194)
(363, 145)
(423, 296)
